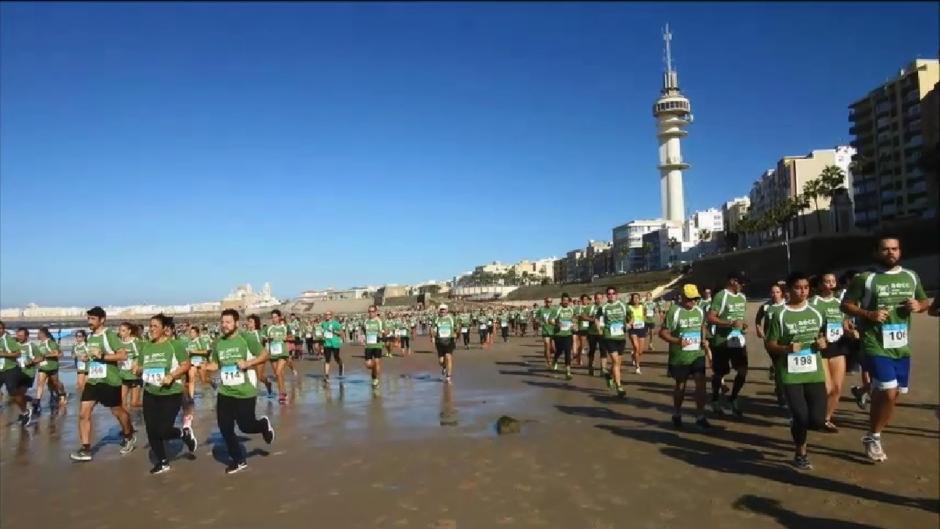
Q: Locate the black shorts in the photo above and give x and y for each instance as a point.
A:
(373, 354)
(14, 379)
(853, 354)
(329, 353)
(641, 333)
(682, 372)
(444, 347)
(611, 346)
(834, 350)
(724, 358)
(581, 333)
(132, 382)
(50, 373)
(105, 394)
(406, 341)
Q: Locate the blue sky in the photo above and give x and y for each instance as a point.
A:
(166, 152)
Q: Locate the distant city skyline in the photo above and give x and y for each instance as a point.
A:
(350, 144)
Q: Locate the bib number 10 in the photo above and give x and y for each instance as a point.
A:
(894, 335)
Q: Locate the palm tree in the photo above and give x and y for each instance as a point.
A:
(812, 190)
(832, 178)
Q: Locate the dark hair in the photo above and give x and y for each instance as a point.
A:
(565, 295)
(273, 312)
(608, 289)
(24, 329)
(884, 236)
(256, 319)
(194, 328)
(45, 330)
(847, 276)
(131, 326)
(79, 332)
(796, 276)
(162, 318)
(234, 313)
(97, 312)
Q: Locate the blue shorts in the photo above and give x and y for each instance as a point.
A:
(889, 373)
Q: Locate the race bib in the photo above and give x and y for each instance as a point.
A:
(736, 339)
(232, 376)
(565, 325)
(372, 338)
(833, 332)
(443, 332)
(504, 324)
(44, 363)
(328, 335)
(277, 348)
(585, 324)
(639, 324)
(22, 362)
(309, 336)
(482, 326)
(97, 370)
(153, 376)
(616, 329)
(464, 330)
(894, 335)
(650, 313)
(196, 361)
(801, 362)
(80, 365)
(691, 340)
(127, 365)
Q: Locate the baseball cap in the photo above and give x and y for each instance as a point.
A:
(690, 291)
(442, 306)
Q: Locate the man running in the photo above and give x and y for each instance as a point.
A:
(883, 301)
(726, 314)
(584, 318)
(795, 338)
(544, 316)
(11, 374)
(28, 361)
(277, 336)
(614, 318)
(442, 336)
(332, 342)
(235, 355)
(374, 330)
(682, 330)
(562, 321)
(161, 364)
(103, 385)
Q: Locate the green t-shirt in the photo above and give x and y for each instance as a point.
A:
(104, 342)
(650, 308)
(801, 325)
(544, 316)
(445, 327)
(769, 310)
(158, 359)
(127, 366)
(80, 351)
(728, 306)
(615, 319)
(685, 324)
(46, 347)
(331, 330)
(9, 345)
(563, 320)
(276, 336)
(831, 310)
(227, 352)
(374, 329)
(886, 290)
(28, 353)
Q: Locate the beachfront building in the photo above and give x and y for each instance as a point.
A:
(626, 254)
(664, 247)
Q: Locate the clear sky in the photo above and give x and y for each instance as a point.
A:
(161, 153)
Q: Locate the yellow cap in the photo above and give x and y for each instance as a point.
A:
(690, 291)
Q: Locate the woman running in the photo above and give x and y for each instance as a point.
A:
(637, 330)
(826, 303)
(49, 369)
(80, 352)
(130, 380)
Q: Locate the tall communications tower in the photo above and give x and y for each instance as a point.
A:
(673, 113)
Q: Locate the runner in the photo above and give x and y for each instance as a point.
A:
(637, 331)
(595, 335)
(613, 319)
(405, 333)
(277, 335)
(131, 384)
(851, 342)
(544, 316)
(563, 323)
(234, 355)
(828, 305)
(765, 314)
(80, 353)
(254, 329)
(883, 301)
(583, 323)
(49, 352)
(480, 322)
(522, 320)
(651, 311)
(682, 330)
(28, 361)
(504, 325)
(374, 330)
(332, 341)
(726, 314)
(11, 374)
(442, 336)
(197, 353)
(103, 385)
(795, 338)
(161, 364)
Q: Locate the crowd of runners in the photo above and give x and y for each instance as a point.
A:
(816, 329)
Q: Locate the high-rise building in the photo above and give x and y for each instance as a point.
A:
(627, 243)
(891, 167)
(672, 112)
(733, 211)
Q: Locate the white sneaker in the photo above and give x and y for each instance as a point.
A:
(873, 448)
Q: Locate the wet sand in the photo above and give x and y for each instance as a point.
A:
(346, 458)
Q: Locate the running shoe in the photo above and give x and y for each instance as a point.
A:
(26, 417)
(873, 448)
(638, 371)
(830, 427)
(235, 468)
(128, 444)
(268, 432)
(555, 366)
(375, 382)
(861, 397)
(160, 468)
(621, 393)
(801, 463)
(189, 439)
(447, 379)
(725, 389)
(37, 408)
(83, 454)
